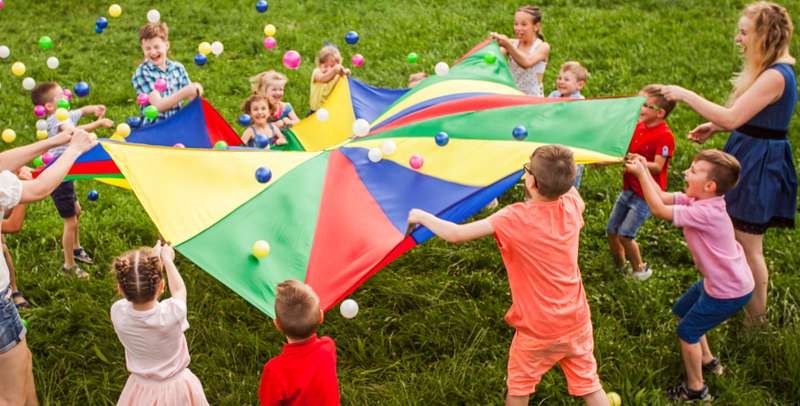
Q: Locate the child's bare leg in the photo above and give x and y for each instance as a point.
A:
(753, 244)
(16, 376)
(77, 243)
(517, 400)
(68, 240)
(707, 355)
(632, 252)
(693, 361)
(596, 398)
(11, 271)
(617, 250)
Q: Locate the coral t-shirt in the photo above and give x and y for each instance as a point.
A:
(539, 245)
(303, 374)
(650, 142)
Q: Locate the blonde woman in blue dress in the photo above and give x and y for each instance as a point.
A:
(528, 52)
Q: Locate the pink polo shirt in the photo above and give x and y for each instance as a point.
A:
(718, 256)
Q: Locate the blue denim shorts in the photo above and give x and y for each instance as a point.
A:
(578, 175)
(700, 312)
(629, 213)
(11, 329)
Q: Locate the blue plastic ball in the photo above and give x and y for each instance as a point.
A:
(263, 174)
(200, 59)
(351, 37)
(134, 122)
(98, 30)
(245, 120)
(81, 89)
(101, 23)
(442, 139)
(519, 133)
(93, 195)
(262, 140)
(261, 6)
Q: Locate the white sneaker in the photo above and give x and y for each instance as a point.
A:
(642, 275)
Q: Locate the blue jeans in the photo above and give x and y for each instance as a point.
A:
(629, 213)
(11, 329)
(578, 175)
(700, 312)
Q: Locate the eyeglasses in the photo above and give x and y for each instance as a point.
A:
(525, 167)
(653, 107)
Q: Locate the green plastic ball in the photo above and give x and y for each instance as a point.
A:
(221, 145)
(45, 42)
(490, 58)
(412, 58)
(151, 112)
(25, 324)
(63, 104)
(38, 161)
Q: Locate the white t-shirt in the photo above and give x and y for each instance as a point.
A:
(155, 347)
(10, 195)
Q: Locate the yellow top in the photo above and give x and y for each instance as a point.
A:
(320, 90)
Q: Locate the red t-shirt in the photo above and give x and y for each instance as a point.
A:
(650, 142)
(303, 374)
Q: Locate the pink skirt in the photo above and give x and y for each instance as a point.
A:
(182, 389)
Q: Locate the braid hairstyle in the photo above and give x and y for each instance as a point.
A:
(138, 274)
(536, 16)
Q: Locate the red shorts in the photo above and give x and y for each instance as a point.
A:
(529, 358)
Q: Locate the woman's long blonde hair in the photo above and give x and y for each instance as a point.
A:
(769, 44)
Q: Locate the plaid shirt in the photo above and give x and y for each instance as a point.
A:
(144, 81)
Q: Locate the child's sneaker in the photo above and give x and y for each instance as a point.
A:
(683, 393)
(625, 269)
(83, 256)
(643, 274)
(713, 367)
(76, 270)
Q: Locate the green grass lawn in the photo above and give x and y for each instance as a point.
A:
(430, 329)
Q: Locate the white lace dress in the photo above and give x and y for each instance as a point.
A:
(529, 80)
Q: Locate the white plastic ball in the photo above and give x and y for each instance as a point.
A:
(52, 62)
(441, 69)
(4, 52)
(348, 308)
(322, 114)
(153, 16)
(217, 48)
(41, 125)
(28, 83)
(360, 127)
(375, 154)
(389, 147)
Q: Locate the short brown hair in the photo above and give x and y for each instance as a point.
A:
(154, 30)
(553, 169)
(296, 309)
(580, 72)
(40, 95)
(263, 81)
(327, 53)
(654, 91)
(724, 168)
(248, 103)
(138, 274)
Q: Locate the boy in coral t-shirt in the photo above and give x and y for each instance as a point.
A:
(538, 240)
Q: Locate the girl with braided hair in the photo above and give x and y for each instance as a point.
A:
(527, 52)
(152, 331)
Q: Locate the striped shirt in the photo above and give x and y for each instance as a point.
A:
(144, 81)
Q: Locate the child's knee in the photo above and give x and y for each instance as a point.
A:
(71, 222)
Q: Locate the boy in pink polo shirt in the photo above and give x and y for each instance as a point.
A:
(727, 283)
(538, 240)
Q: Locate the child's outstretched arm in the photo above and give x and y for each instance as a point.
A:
(42, 186)
(660, 202)
(98, 110)
(449, 231)
(165, 103)
(246, 135)
(13, 159)
(177, 288)
(100, 122)
(325, 76)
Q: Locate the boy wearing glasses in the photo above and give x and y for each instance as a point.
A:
(538, 240)
(654, 141)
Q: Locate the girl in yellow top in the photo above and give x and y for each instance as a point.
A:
(326, 75)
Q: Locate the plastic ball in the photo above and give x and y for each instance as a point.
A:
(416, 161)
(348, 308)
(204, 48)
(262, 6)
(28, 83)
(217, 48)
(291, 59)
(142, 99)
(81, 89)
(115, 10)
(93, 195)
(260, 249)
(375, 154)
(63, 104)
(101, 23)
(614, 399)
(98, 30)
(4, 52)
(262, 141)
(2, 5)
(200, 59)
(38, 161)
(269, 42)
(68, 94)
(412, 58)
(441, 68)
(134, 122)
(123, 129)
(263, 174)
(45, 42)
(220, 145)
(151, 112)
(245, 120)
(351, 37)
(160, 85)
(52, 62)
(18, 69)
(9, 135)
(357, 60)
(388, 147)
(519, 132)
(39, 111)
(62, 115)
(41, 135)
(490, 58)
(179, 145)
(24, 321)
(153, 16)
(41, 125)
(269, 30)
(442, 139)
(48, 157)
(360, 127)
(322, 114)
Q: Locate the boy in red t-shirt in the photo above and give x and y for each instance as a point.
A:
(538, 240)
(654, 141)
(305, 372)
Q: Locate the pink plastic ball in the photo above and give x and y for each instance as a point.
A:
(269, 42)
(291, 59)
(142, 99)
(68, 94)
(179, 145)
(161, 85)
(39, 111)
(416, 161)
(2, 4)
(48, 157)
(358, 60)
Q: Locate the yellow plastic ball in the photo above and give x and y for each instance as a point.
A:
(204, 48)
(41, 135)
(117, 137)
(269, 30)
(123, 130)
(115, 10)
(260, 249)
(9, 136)
(62, 114)
(614, 399)
(18, 68)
